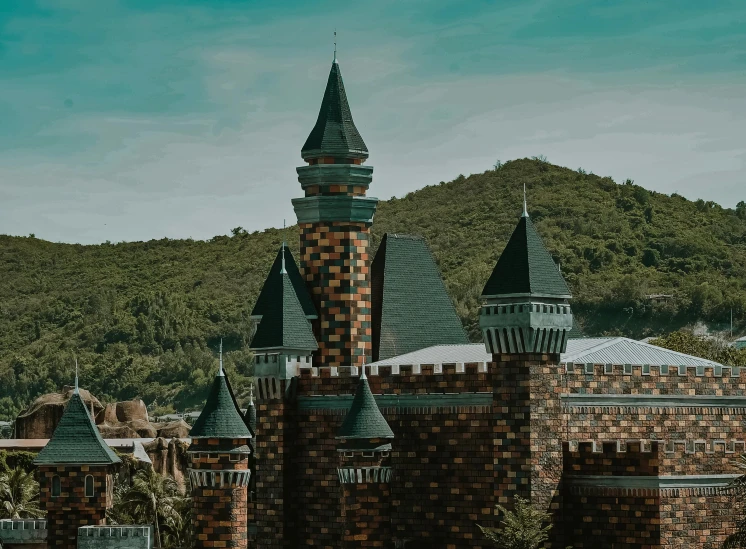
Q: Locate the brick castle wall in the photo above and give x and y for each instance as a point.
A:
(220, 509)
(334, 260)
(72, 509)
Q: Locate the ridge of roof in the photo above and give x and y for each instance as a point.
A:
(272, 286)
(525, 267)
(284, 325)
(221, 417)
(364, 419)
(334, 133)
(76, 440)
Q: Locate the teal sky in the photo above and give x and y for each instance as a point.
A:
(139, 119)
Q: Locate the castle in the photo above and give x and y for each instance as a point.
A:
(377, 424)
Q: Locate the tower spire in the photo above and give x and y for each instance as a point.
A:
(221, 373)
(525, 207)
(283, 270)
(77, 390)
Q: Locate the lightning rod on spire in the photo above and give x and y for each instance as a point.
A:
(220, 371)
(76, 377)
(525, 207)
(335, 45)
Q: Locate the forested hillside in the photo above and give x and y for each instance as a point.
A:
(145, 318)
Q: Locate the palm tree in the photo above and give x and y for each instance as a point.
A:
(19, 495)
(152, 499)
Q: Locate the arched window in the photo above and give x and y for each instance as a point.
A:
(56, 486)
(89, 486)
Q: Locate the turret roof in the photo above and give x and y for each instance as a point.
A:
(221, 417)
(525, 267)
(76, 440)
(273, 286)
(335, 133)
(284, 324)
(364, 419)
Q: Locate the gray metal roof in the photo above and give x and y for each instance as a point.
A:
(598, 350)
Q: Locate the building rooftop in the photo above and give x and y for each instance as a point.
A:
(364, 420)
(600, 350)
(76, 440)
(221, 417)
(273, 287)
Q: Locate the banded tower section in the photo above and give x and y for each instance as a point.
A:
(335, 217)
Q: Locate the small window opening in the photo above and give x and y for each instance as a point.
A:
(89, 486)
(56, 486)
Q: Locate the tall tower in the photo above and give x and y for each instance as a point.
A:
(75, 475)
(335, 216)
(525, 321)
(364, 472)
(219, 472)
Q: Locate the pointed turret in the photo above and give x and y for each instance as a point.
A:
(364, 419)
(273, 286)
(220, 471)
(526, 306)
(334, 134)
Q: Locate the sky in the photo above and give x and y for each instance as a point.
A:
(127, 120)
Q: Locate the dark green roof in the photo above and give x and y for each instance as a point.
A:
(364, 419)
(273, 286)
(221, 417)
(335, 133)
(284, 325)
(411, 306)
(76, 440)
(525, 267)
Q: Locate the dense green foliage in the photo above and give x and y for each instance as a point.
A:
(145, 318)
(19, 495)
(716, 350)
(523, 528)
(151, 498)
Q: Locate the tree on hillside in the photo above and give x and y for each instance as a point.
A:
(19, 495)
(707, 348)
(524, 528)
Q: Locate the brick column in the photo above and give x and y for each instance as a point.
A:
(335, 262)
(72, 509)
(220, 477)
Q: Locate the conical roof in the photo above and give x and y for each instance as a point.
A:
(364, 420)
(221, 417)
(273, 286)
(284, 324)
(526, 267)
(76, 440)
(335, 133)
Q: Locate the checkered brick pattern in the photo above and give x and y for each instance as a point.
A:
(219, 512)
(72, 509)
(334, 261)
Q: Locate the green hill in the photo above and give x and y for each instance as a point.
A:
(144, 318)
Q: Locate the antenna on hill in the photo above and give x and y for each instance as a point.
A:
(221, 373)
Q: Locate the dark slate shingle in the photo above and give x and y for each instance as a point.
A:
(284, 324)
(364, 420)
(221, 417)
(76, 440)
(525, 267)
(411, 306)
(273, 286)
(335, 133)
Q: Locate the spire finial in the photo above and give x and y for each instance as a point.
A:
(251, 394)
(363, 376)
(335, 45)
(77, 390)
(221, 373)
(283, 271)
(525, 207)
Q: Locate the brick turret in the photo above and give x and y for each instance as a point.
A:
(75, 475)
(219, 472)
(525, 321)
(364, 472)
(335, 218)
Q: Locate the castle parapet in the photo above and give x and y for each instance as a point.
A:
(115, 537)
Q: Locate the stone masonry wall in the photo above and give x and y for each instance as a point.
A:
(72, 509)
(334, 260)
